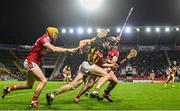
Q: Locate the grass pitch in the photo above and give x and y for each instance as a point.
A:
(127, 96)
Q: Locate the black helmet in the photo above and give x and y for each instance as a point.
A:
(112, 40)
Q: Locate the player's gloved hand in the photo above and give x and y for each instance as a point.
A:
(102, 33)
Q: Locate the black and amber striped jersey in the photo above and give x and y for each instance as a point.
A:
(96, 52)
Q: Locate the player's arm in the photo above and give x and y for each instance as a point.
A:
(122, 61)
(59, 49)
(85, 42)
(111, 62)
(101, 34)
(110, 65)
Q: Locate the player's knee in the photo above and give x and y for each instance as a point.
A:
(29, 86)
(44, 81)
(73, 87)
(108, 76)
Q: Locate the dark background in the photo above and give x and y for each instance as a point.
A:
(23, 21)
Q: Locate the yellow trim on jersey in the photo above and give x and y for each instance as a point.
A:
(92, 56)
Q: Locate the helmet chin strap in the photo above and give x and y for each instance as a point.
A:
(48, 33)
(53, 39)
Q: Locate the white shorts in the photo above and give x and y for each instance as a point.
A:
(85, 67)
(69, 77)
(29, 65)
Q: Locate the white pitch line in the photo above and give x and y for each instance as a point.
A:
(26, 94)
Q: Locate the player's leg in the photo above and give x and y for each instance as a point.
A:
(85, 82)
(173, 80)
(30, 81)
(65, 78)
(103, 77)
(70, 79)
(167, 81)
(100, 72)
(75, 83)
(40, 76)
(87, 86)
(95, 70)
(152, 79)
(87, 92)
(28, 85)
(112, 84)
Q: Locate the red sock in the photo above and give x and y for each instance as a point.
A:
(34, 98)
(11, 88)
(106, 92)
(78, 96)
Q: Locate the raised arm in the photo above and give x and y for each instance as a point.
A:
(101, 34)
(59, 49)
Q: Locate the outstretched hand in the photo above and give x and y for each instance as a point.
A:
(72, 50)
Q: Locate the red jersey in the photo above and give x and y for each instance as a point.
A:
(113, 55)
(38, 51)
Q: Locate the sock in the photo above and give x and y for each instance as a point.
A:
(96, 89)
(110, 87)
(11, 88)
(34, 98)
(95, 92)
(78, 96)
(106, 92)
(52, 95)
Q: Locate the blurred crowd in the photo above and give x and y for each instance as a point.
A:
(138, 67)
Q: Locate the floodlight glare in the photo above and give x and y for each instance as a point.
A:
(157, 29)
(91, 4)
(80, 30)
(137, 29)
(89, 30)
(118, 30)
(71, 31)
(98, 29)
(128, 29)
(63, 31)
(148, 29)
(167, 29)
(177, 29)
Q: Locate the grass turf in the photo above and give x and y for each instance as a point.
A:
(127, 96)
